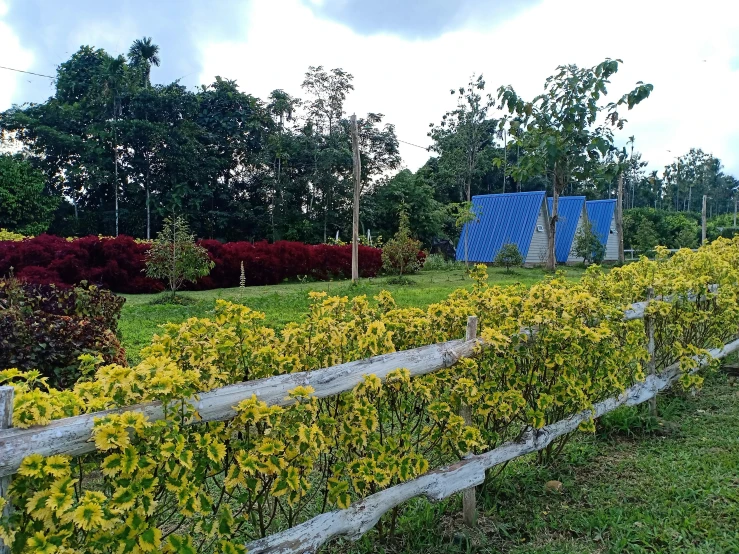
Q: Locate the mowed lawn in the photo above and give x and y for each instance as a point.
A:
(142, 313)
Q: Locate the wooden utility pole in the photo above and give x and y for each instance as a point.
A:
(357, 185)
(703, 220)
(620, 218)
(735, 200)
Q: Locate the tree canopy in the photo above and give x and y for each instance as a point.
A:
(110, 151)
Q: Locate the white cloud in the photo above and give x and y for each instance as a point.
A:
(12, 54)
(664, 43)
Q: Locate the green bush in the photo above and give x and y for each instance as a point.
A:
(175, 257)
(645, 228)
(587, 244)
(400, 253)
(508, 256)
(437, 262)
(47, 328)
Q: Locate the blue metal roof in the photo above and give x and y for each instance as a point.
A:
(569, 209)
(502, 218)
(600, 214)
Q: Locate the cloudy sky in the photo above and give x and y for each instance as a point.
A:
(405, 55)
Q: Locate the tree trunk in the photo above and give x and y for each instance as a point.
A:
(148, 208)
(620, 218)
(355, 219)
(115, 154)
(551, 260)
(703, 220)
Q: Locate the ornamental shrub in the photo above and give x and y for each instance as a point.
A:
(400, 253)
(587, 244)
(119, 263)
(508, 256)
(10, 235)
(174, 256)
(47, 328)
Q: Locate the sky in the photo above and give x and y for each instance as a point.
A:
(406, 55)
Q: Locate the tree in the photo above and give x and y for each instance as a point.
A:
(560, 132)
(587, 244)
(26, 207)
(142, 55)
(332, 153)
(425, 215)
(508, 256)
(175, 257)
(463, 133)
(400, 253)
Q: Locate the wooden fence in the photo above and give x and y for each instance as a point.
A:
(72, 436)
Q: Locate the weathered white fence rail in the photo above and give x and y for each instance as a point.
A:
(362, 515)
(72, 435)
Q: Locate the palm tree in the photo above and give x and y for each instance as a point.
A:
(144, 53)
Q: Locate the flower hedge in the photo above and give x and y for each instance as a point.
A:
(118, 263)
(183, 485)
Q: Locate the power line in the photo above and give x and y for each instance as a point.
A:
(427, 148)
(28, 72)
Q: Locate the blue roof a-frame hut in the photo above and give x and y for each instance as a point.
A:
(602, 216)
(518, 218)
(571, 212)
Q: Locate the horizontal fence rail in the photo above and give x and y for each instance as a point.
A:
(72, 435)
(361, 516)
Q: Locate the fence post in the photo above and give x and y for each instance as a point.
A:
(6, 421)
(652, 362)
(469, 503)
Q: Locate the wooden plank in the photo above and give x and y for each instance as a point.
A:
(469, 502)
(362, 516)
(637, 309)
(72, 435)
(6, 422)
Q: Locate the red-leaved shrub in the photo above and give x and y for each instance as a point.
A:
(118, 263)
(47, 328)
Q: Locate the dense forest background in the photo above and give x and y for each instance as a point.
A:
(109, 153)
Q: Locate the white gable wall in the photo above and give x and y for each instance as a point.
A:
(612, 244)
(537, 254)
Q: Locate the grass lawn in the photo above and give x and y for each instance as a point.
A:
(637, 486)
(289, 302)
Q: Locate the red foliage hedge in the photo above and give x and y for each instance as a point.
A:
(118, 263)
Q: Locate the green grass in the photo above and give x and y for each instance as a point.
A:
(288, 302)
(626, 489)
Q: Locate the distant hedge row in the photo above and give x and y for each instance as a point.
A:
(118, 263)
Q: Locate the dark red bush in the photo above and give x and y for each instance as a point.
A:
(118, 263)
(47, 328)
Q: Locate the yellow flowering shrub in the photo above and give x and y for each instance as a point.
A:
(10, 235)
(182, 485)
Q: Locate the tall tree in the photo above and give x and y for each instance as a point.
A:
(560, 129)
(328, 91)
(464, 133)
(26, 206)
(142, 54)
